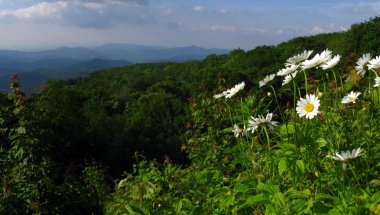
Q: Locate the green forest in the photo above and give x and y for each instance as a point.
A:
(285, 129)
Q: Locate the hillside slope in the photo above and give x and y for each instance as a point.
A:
(157, 126)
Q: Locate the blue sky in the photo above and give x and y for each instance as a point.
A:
(33, 24)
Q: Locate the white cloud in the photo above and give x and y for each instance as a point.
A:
(198, 8)
(280, 31)
(221, 11)
(85, 14)
(169, 11)
(138, 2)
(318, 30)
(256, 30)
(44, 9)
(172, 24)
(342, 28)
(224, 29)
(94, 6)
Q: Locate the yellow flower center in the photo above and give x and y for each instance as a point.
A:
(351, 99)
(309, 107)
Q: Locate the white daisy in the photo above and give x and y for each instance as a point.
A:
(239, 131)
(308, 107)
(331, 63)
(374, 63)
(220, 95)
(346, 156)
(267, 79)
(377, 82)
(360, 70)
(287, 70)
(297, 59)
(231, 92)
(289, 77)
(351, 97)
(255, 123)
(317, 60)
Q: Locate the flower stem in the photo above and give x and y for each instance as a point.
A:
(305, 76)
(269, 150)
(229, 111)
(353, 173)
(268, 139)
(278, 104)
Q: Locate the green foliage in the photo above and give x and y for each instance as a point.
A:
(60, 150)
(31, 179)
(24, 166)
(285, 170)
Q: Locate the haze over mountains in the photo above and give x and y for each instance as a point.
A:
(36, 67)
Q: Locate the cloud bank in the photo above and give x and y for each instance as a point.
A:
(221, 24)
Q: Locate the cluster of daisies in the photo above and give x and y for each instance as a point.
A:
(307, 107)
(323, 60)
(301, 62)
(371, 64)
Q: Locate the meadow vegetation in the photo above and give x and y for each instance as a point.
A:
(286, 129)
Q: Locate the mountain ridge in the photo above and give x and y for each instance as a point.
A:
(69, 62)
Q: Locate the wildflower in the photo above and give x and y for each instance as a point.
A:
(122, 183)
(319, 95)
(231, 92)
(287, 70)
(377, 82)
(351, 97)
(289, 77)
(239, 131)
(345, 157)
(374, 63)
(220, 95)
(317, 60)
(360, 70)
(260, 120)
(298, 58)
(331, 63)
(266, 80)
(308, 107)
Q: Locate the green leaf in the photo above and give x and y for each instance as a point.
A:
(178, 206)
(241, 160)
(269, 188)
(322, 142)
(295, 194)
(21, 130)
(334, 212)
(375, 182)
(279, 199)
(300, 206)
(282, 166)
(255, 200)
(186, 202)
(243, 188)
(321, 208)
(129, 209)
(226, 201)
(301, 165)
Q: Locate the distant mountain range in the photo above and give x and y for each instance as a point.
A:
(36, 67)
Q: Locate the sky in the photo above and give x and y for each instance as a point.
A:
(230, 24)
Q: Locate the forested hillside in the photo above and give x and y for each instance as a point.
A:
(157, 129)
